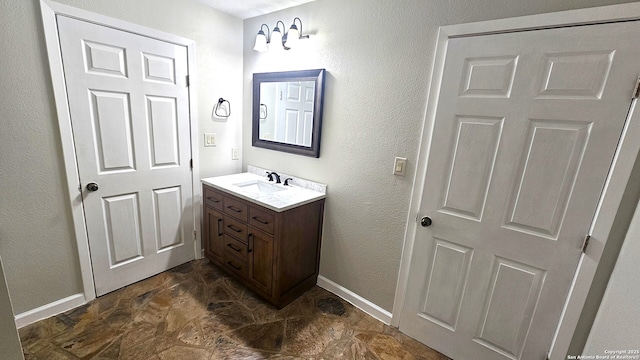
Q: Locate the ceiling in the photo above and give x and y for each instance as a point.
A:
(245, 9)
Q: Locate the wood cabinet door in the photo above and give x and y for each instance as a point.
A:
(213, 230)
(260, 260)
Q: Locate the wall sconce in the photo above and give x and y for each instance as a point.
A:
(293, 36)
(262, 40)
(275, 40)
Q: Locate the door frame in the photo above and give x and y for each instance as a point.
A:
(615, 185)
(49, 11)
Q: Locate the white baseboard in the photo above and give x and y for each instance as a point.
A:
(73, 301)
(49, 310)
(355, 299)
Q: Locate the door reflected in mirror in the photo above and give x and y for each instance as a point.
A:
(290, 120)
(287, 111)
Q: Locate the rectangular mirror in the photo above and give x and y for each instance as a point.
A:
(287, 111)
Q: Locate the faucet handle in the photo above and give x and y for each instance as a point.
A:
(286, 181)
(273, 174)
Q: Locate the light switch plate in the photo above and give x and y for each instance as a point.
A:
(234, 154)
(209, 139)
(400, 166)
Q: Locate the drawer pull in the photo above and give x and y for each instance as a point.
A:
(219, 227)
(260, 220)
(233, 266)
(234, 228)
(234, 209)
(250, 244)
(234, 248)
(213, 199)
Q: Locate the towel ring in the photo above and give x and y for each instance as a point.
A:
(264, 112)
(216, 109)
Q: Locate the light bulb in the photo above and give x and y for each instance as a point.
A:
(276, 40)
(292, 37)
(261, 42)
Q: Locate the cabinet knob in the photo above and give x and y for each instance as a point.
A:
(92, 186)
(426, 221)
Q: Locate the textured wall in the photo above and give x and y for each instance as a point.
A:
(378, 55)
(617, 324)
(603, 303)
(9, 341)
(37, 241)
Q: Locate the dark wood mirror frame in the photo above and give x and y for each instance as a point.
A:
(316, 75)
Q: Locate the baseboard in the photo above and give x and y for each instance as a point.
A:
(73, 301)
(49, 310)
(355, 299)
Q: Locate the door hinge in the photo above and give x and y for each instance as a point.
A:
(636, 91)
(195, 234)
(191, 163)
(547, 357)
(188, 81)
(586, 243)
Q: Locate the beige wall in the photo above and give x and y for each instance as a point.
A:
(10, 347)
(605, 277)
(378, 55)
(37, 241)
(617, 325)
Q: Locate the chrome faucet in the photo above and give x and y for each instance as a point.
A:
(273, 174)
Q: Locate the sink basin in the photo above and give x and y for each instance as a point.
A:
(254, 187)
(259, 187)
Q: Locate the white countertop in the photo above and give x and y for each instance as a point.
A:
(290, 197)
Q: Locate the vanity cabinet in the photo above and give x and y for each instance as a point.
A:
(275, 254)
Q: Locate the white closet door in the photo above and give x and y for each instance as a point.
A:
(526, 127)
(128, 100)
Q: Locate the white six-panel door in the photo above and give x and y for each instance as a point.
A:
(526, 127)
(128, 100)
(294, 120)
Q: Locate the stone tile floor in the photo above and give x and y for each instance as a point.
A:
(195, 311)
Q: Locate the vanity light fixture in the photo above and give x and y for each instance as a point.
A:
(276, 40)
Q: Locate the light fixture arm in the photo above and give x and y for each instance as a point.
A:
(268, 31)
(300, 21)
(279, 22)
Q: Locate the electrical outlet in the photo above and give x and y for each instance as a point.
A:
(234, 154)
(400, 166)
(209, 139)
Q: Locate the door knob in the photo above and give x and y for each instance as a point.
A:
(426, 221)
(92, 186)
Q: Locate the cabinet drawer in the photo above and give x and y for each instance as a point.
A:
(261, 219)
(235, 228)
(234, 265)
(212, 199)
(235, 208)
(235, 248)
